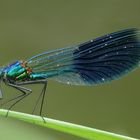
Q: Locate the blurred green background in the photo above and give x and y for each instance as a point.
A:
(29, 27)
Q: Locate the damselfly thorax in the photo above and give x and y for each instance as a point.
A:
(18, 71)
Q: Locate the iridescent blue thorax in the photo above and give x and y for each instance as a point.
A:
(19, 71)
(16, 71)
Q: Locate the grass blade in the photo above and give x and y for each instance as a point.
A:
(74, 129)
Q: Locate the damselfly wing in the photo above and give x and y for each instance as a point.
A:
(93, 62)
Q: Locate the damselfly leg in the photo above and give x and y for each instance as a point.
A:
(26, 92)
(41, 96)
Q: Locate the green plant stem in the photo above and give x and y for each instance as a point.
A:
(74, 129)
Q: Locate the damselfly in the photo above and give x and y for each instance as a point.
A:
(93, 62)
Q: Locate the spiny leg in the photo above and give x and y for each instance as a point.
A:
(25, 94)
(18, 88)
(12, 99)
(1, 93)
(42, 101)
(43, 97)
(38, 99)
(43, 92)
(22, 96)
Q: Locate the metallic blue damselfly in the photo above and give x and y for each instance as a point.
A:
(94, 62)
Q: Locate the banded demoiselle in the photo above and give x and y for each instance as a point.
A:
(94, 62)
